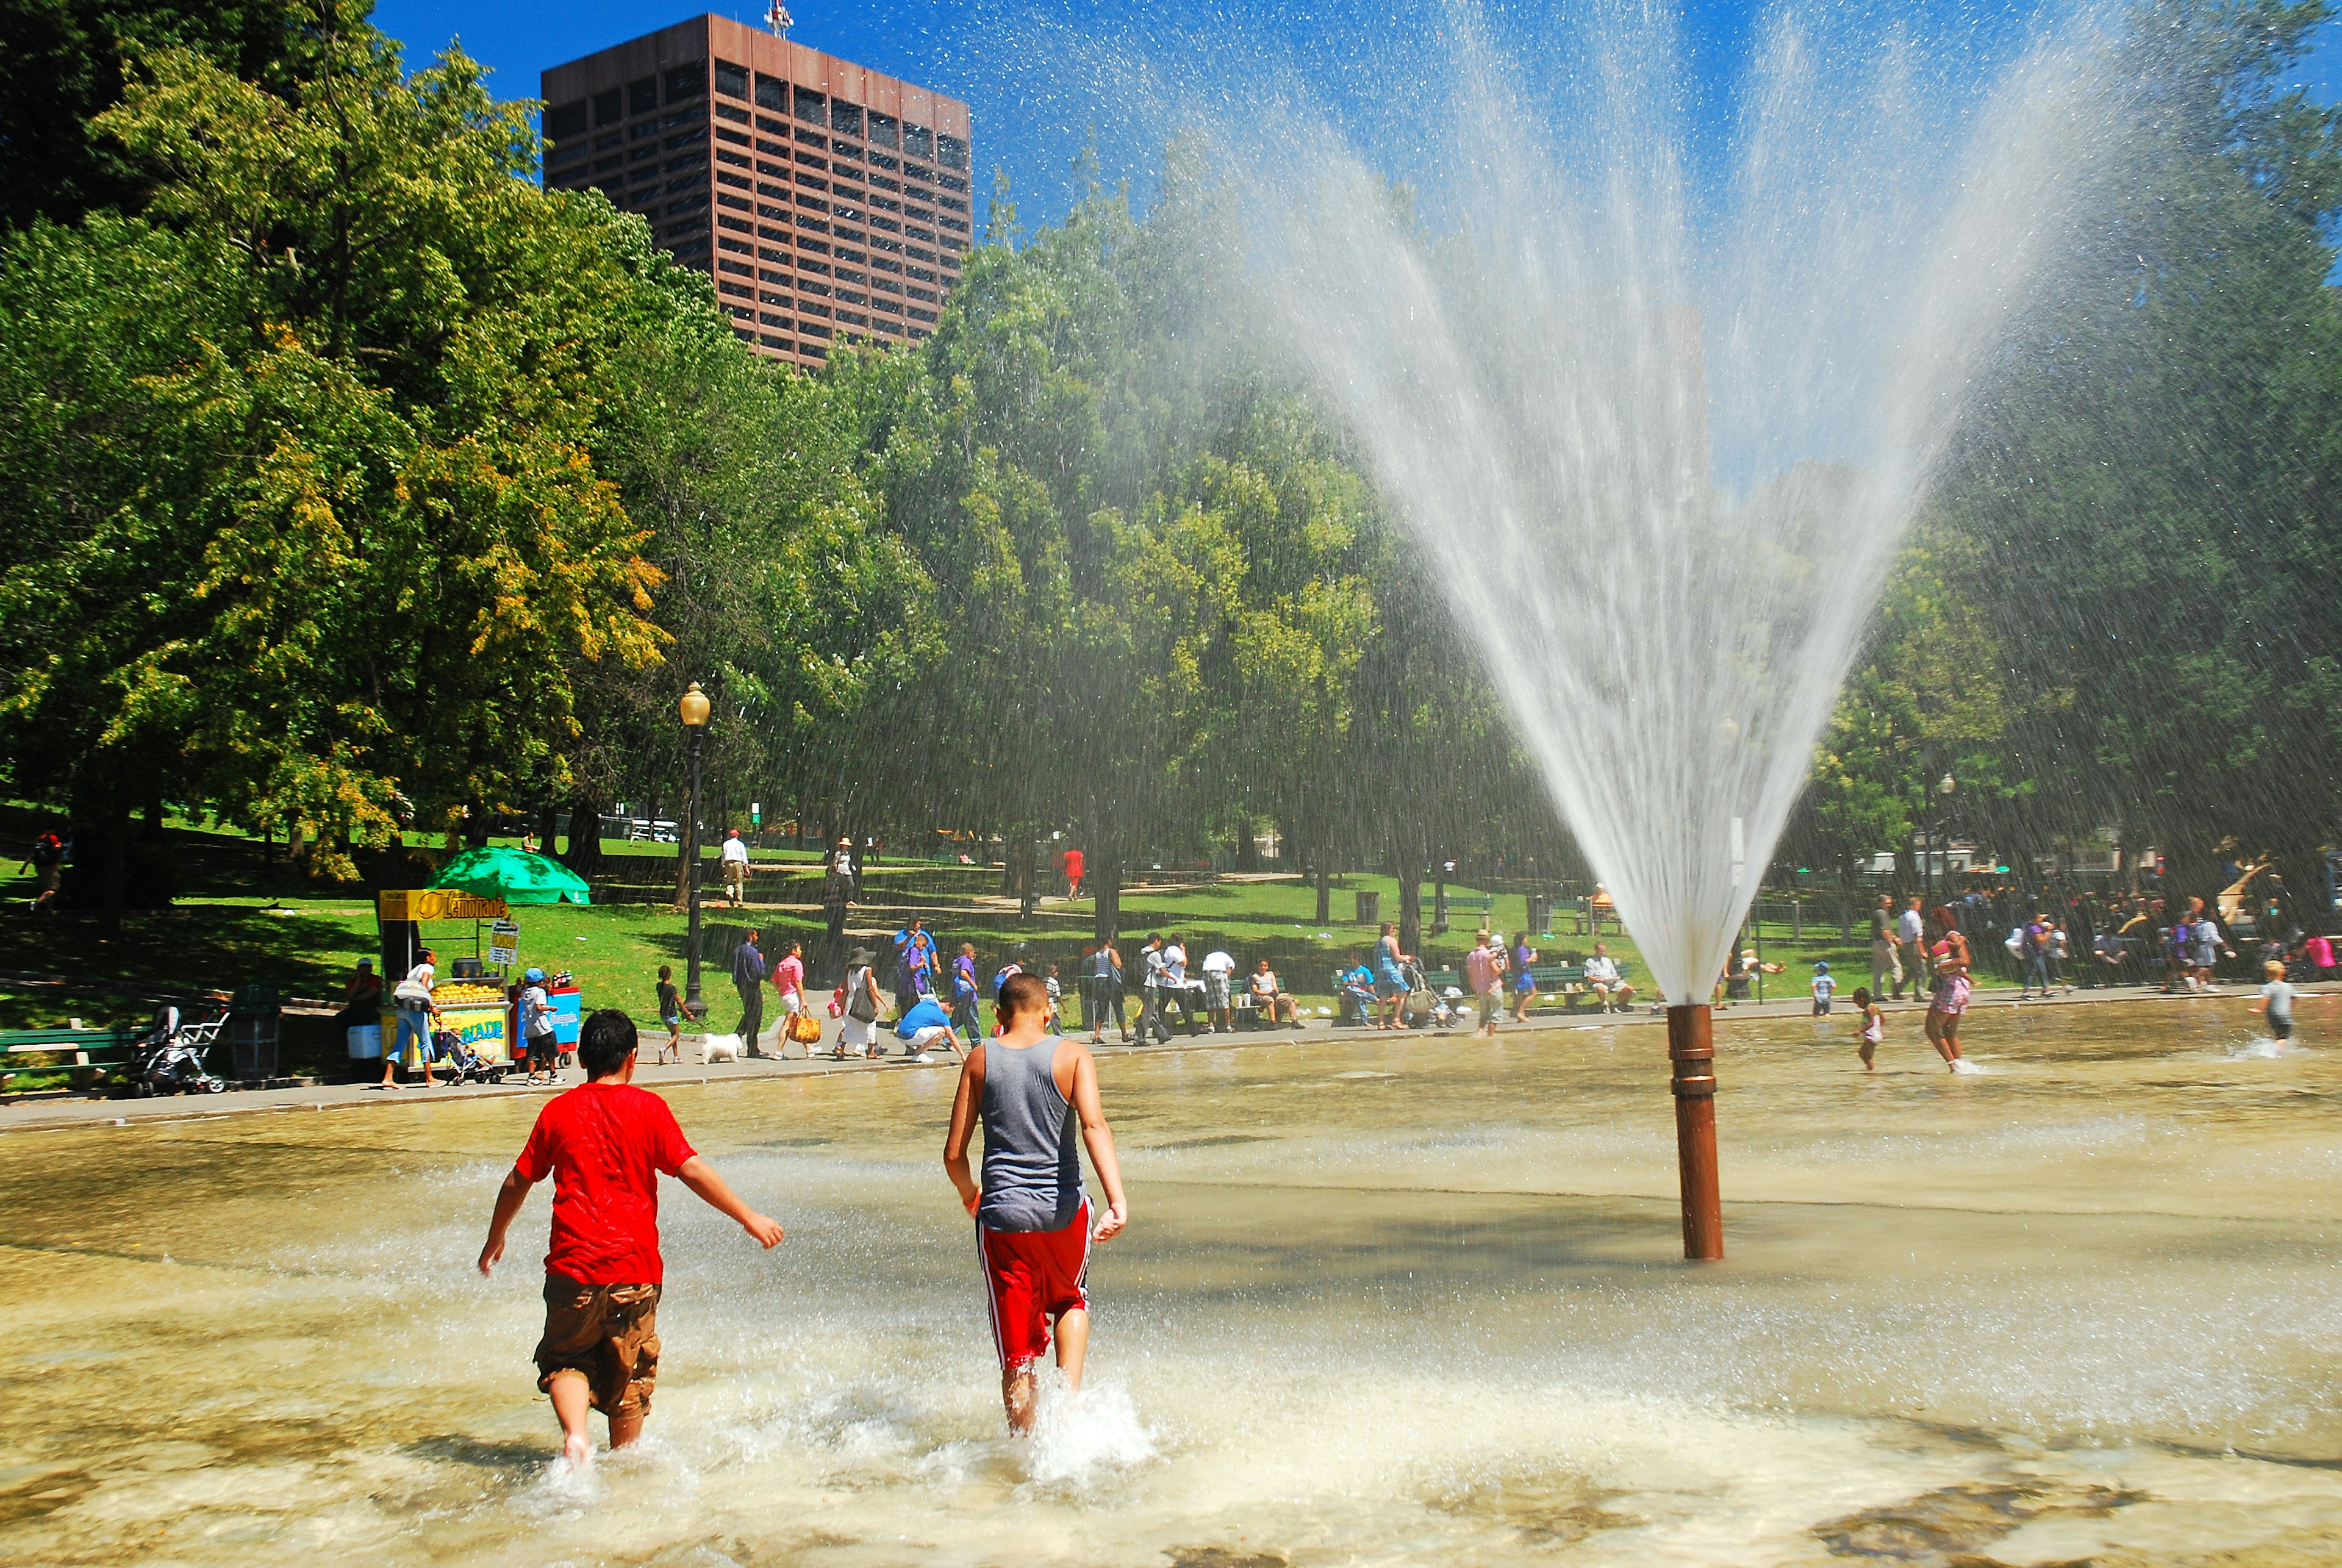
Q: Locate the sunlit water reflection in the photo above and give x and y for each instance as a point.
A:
(2085, 1306)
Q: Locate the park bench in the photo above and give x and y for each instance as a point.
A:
(83, 1055)
(1563, 982)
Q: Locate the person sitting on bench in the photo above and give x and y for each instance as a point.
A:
(1270, 1005)
(1611, 993)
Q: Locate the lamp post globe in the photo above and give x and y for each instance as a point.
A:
(692, 709)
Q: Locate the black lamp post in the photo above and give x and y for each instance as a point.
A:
(694, 709)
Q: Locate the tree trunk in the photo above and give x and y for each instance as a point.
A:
(548, 824)
(584, 854)
(1248, 848)
(1325, 893)
(1410, 903)
(1103, 875)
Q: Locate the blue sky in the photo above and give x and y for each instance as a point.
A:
(1044, 79)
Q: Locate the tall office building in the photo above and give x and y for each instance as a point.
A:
(829, 202)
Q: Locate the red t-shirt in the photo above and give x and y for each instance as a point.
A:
(1074, 865)
(604, 1145)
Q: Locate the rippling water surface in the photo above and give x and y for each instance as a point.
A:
(1381, 1302)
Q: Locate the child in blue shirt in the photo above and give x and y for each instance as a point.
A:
(1823, 989)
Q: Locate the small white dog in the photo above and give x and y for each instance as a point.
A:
(719, 1048)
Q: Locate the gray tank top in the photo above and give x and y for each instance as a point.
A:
(1032, 1165)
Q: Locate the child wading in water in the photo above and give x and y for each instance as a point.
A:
(2277, 998)
(1031, 1089)
(604, 1144)
(1874, 1024)
(670, 1006)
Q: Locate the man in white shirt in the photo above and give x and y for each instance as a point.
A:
(1177, 989)
(1912, 933)
(1611, 994)
(735, 867)
(1219, 970)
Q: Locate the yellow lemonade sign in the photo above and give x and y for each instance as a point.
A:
(437, 903)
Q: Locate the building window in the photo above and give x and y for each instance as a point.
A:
(885, 130)
(922, 274)
(951, 184)
(575, 154)
(812, 107)
(737, 160)
(919, 142)
(605, 164)
(887, 284)
(882, 160)
(851, 297)
(738, 247)
(762, 254)
(927, 294)
(849, 152)
(743, 268)
(727, 286)
(738, 116)
(811, 329)
(806, 243)
(926, 315)
(845, 116)
(694, 204)
(647, 128)
(769, 319)
(813, 286)
(642, 96)
(771, 213)
(806, 263)
(778, 277)
(769, 341)
(854, 317)
(888, 264)
(566, 121)
(686, 82)
(689, 138)
(951, 152)
(609, 107)
(730, 80)
(772, 93)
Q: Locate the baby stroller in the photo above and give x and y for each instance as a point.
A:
(462, 1066)
(1426, 1008)
(168, 1058)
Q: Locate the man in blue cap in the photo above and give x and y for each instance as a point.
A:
(535, 1010)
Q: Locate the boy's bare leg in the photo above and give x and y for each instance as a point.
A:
(625, 1430)
(572, 1398)
(1017, 1397)
(1073, 1344)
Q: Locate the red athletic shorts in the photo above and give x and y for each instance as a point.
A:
(1029, 1278)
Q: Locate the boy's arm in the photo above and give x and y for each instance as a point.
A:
(1099, 1139)
(509, 1198)
(700, 1177)
(963, 1128)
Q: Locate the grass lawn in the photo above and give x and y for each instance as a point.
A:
(240, 919)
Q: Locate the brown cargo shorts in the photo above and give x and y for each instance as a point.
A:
(608, 1335)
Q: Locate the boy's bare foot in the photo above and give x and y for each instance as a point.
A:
(578, 1450)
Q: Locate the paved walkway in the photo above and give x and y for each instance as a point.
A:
(48, 1116)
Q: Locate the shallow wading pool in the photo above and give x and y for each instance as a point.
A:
(1412, 1302)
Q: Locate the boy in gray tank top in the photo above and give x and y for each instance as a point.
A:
(1033, 1224)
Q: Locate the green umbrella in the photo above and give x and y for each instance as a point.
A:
(514, 875)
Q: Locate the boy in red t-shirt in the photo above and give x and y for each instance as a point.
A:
(604, 1144)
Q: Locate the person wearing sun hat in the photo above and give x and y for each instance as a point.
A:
(535, 1010)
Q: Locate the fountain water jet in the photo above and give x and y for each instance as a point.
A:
(1664, 459)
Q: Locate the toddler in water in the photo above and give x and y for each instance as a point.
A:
(2277, 999)
(1873, 1026)
(1823, 989)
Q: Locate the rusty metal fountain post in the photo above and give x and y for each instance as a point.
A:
(1691, 1051)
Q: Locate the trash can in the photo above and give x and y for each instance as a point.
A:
(253, 1021)
(1370, 908)
(1541, 914)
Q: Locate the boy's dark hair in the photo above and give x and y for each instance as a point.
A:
(1154, 936)
(606, 1042)
(1021, 994)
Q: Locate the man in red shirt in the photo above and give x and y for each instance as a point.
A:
(604, 1144)
(1073, 874)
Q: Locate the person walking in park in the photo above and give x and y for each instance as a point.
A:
(1102, 993)
(415, 1012)
(1910, 930)
(1219, 999)
(748, 980)
(734, 863)
(864, 1005)
(606, 1143)
(1483, 971)
(1152, 1030)
(1390, 980)
(1885, 957)
(670, 1012)
(788, 984)
(2206, 945)
(1525, 989)
(1072, 868)
(1949, 959)
(1873, 1026)
(836, 896)
(1033, 1092)
(2033, 949)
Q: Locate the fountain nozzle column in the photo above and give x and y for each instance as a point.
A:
(1691, 1051)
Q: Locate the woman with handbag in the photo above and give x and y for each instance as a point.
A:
(862, 1006)
(415, 1011)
